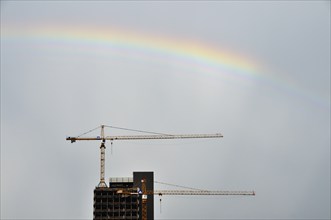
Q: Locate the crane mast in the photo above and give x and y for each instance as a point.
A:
(103, 138)
(102, 182)
(144, 199)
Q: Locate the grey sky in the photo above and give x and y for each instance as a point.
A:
(275, 121)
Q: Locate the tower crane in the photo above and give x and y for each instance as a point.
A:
(145, 193)
(154, 136)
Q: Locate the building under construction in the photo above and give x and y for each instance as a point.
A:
(133, 197)
(123, 198)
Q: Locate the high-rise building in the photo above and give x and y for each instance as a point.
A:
(123, 198)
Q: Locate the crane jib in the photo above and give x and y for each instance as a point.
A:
(202, 192)
(145, 137)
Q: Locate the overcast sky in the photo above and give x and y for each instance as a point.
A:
(257, 72)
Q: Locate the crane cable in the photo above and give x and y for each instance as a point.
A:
(169, 184)
(185, 187)
(141, 131)
(126, 129)
(120, 128)
(89, 131)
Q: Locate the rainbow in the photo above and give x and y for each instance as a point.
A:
(188, 53)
